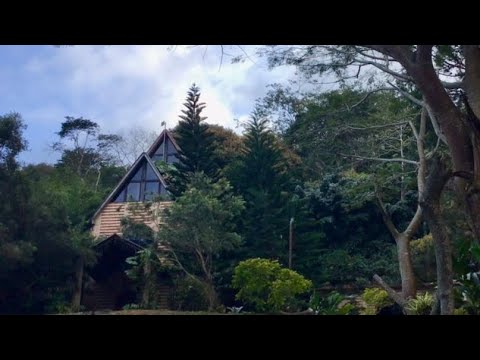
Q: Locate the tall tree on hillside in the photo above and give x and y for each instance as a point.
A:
(261, 179)
(199, 230)
(195, 140)
(85, 151)
(453, 107)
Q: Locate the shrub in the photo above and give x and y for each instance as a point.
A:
(131, 307)
(333, 304)
(285, 288)
(375, 300)
(460, 311)
(421, 305)
(190, 295)
(266, 286)
(423, 258)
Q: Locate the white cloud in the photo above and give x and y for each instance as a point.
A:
(124, 86)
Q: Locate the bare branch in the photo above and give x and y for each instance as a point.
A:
(416, 221)
(386, 218)
(381, 159)
(377, 126)
(435, 125)
(407, 95)
(453, 85)
(401, 53)
(221, 58)
(395, 74)
(392, 293)
(248, 56)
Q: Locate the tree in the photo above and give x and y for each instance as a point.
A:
(132, 142)
(267, 286)
(261, 179)
(41, 232)
(195, 140)
(84, 149)
(199, 227)
(454, 109)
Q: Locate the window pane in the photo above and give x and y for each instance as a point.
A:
(121, 196)
(133, 192)
(150, 174)
(163, 191)
(170, 148)
(157, 158)
(151, 190)
(138, 174)
(172, 159)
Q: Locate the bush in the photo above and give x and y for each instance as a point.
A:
(333, 304)
(375, 299)
(285, 288)
(190, 295)
(460, 311)
(131, 307)
(423, 258)
(421, 305)
(266, 286)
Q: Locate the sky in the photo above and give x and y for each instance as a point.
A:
(120, 87)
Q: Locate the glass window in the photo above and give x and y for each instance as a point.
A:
(150, 175)
(172, 159)
(133, 191)
(121, 196)
(138, 174)
(151, 190)
(163, 191)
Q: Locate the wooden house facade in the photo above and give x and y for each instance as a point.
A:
(106, 285)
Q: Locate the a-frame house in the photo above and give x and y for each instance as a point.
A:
(106, 286)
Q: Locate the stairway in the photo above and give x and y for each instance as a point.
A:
(103, 299)
(164, 297)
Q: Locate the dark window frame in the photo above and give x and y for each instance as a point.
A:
(142, 183)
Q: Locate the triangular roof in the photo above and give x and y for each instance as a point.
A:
(165, 133)
(126, 177)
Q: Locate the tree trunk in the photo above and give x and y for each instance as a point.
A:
(77, 295)
(146, 288)
(409, 288)
(451, 120)
(438, 177)
(212, 297)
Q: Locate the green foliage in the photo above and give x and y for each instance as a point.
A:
(196, 142)
(267, 286)
(333, 304)
(460, 311)
(375, 299)
(199, 227)
(73, 126)
(131, 307)
(190, 294)
(254, 278)
(421, 305)
(261, 179)
(43, 229)
(12, 141)
(285, 289)
(423, 258)
(466, 263)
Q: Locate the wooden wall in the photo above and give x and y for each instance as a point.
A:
(108, 221)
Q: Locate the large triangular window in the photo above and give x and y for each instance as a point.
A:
(143, 185)
(166, 151)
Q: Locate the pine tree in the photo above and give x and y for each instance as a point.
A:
(195, 140)
(261, 179)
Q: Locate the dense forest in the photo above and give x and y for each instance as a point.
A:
(360, 189)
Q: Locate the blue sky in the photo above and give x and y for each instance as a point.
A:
(121, 87)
